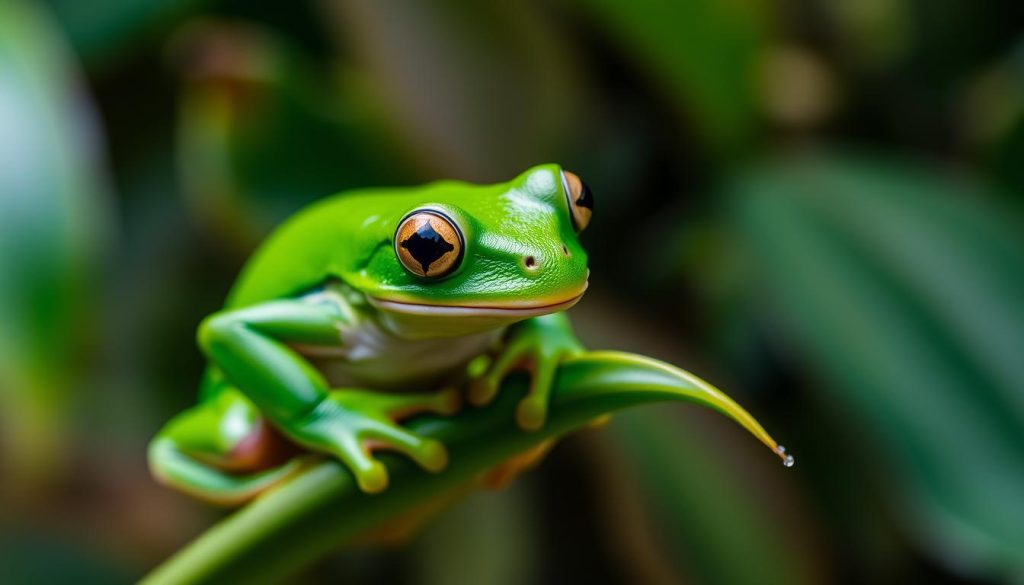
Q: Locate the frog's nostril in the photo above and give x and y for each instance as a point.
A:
(565, 251)
(530, 263)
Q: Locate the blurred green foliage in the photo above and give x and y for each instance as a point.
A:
(904, 286)
(53, 222)
(108, 30)
(675, 472)
(704, 53)
(260, 134)
(865, 299)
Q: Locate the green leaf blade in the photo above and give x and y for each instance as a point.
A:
(322, 508)
(888, 286)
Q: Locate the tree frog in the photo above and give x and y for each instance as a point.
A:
(362, 310)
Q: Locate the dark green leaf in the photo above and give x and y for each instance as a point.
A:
(903, 288)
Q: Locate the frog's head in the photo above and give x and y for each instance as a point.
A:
(463, 258)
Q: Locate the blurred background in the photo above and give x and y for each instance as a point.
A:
(814, 204)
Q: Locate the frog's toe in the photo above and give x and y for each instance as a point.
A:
(373, 479)
(532, 412)
(371, 475)
(447, 402)
(428, 453)
(435, 456)
(484, 388)
(397, 407)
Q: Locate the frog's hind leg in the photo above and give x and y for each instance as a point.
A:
(221, 451)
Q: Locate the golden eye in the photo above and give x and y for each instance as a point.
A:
(580, 199)
(428, 244)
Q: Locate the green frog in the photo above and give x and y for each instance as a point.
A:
(364, 309)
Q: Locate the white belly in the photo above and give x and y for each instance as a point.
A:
(372, 358)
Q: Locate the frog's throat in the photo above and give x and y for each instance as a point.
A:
(509, 311)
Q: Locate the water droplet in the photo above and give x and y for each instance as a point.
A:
(787, 460)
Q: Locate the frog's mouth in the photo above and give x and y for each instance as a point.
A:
(512, 310)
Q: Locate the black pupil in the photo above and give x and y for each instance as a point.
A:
(586, 199)
(426, 245)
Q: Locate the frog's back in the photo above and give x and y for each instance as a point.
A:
(302, 252)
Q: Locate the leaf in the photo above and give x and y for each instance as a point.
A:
(322, 508)
(903, 288)
(704, 53)
(53, 223)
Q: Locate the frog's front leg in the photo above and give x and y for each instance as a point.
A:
(253, 348)
(537, 345)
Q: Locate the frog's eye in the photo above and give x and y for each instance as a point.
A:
(428, 244)
(580, 199)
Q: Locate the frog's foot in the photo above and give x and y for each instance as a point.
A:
(352, 424)
(533, 355)
(177, 468)
(400, 406)
(225, 464)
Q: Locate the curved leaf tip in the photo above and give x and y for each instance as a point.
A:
(679, 384)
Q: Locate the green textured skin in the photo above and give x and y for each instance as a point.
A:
(349, 236)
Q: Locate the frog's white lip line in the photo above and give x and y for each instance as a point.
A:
(508, 311)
